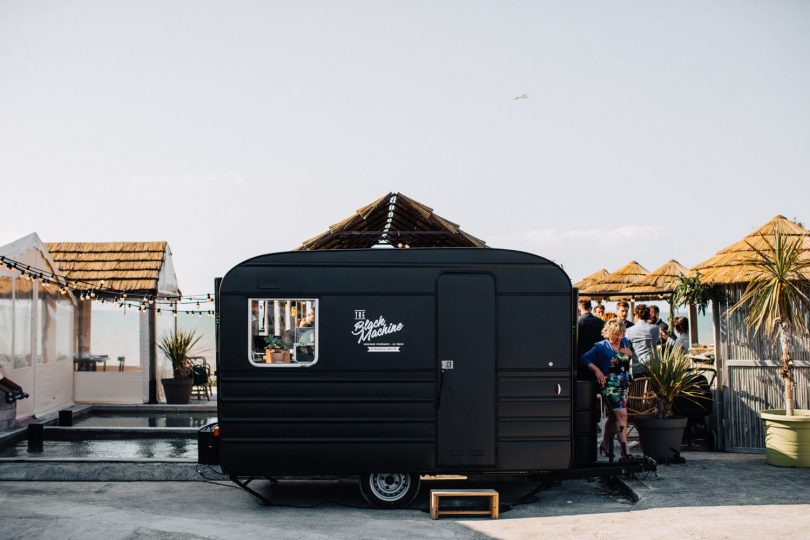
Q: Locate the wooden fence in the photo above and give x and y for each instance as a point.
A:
(748, 378)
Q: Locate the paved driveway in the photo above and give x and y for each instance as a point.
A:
(712, 496)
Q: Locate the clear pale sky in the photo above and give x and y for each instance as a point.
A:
(652, 130)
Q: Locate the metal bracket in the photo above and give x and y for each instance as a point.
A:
(244, 485)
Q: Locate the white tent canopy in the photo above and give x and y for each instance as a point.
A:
(36, 331)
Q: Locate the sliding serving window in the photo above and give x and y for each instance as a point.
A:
(283, 332)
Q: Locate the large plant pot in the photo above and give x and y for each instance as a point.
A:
(178, 391)
(660, 437)
(787, 438)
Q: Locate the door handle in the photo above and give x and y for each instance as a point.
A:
(445, 366)
(559, 389)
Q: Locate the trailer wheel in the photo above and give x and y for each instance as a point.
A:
(389, 490)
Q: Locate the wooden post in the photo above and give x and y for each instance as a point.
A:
(153, 382)
(83, 320)
(720, 381)
(693, 326)
(671, 329)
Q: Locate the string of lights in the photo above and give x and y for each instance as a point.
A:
(99, 291)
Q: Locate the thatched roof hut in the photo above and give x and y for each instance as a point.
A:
(748, 362)
(587, 280)
(660, 282)
(728, 267)
(617, 282)
(393, 220)
(141, 267)
(134, 267)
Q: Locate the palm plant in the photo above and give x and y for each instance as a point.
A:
(177, 347)
(671, 378)
(777, 297)
(273, 343)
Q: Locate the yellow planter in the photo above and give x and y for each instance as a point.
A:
(787, 438)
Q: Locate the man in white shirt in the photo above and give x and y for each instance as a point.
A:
(644, 337)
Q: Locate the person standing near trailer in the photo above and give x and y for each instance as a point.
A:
(589, 331)
(644, 338)
(622, 310)
(609, 360)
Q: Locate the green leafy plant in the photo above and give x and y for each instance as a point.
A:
(273, 344)
(691, 291)
(776, 298)
(671, 377)
(177, 347)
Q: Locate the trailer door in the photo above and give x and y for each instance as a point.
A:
(466, 355)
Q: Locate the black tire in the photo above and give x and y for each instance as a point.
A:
(389, 490)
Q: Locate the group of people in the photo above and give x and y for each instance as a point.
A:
(612, 350)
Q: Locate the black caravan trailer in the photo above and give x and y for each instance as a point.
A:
(418, 361)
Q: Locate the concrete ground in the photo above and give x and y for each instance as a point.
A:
(713, 495)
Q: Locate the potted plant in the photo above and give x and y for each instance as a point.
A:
(671, 378)
(177, 347)
(274, 350)
(776, 300)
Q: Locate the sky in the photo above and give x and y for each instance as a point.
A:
(652, 130)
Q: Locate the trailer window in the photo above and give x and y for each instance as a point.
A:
(283, 332)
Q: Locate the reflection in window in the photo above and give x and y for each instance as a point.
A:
(283, 332)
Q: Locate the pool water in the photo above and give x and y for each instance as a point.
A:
(107, 449)
(172, 420)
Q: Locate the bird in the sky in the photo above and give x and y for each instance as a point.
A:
(522, 96)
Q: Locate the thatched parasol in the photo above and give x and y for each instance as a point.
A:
(394, 220)
(660, 282)
(616, 283)
(596, 276)
(728, 266)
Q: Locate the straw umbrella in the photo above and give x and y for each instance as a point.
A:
(596, 276)
(661, 283)
(616, 283)
(728, 266)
